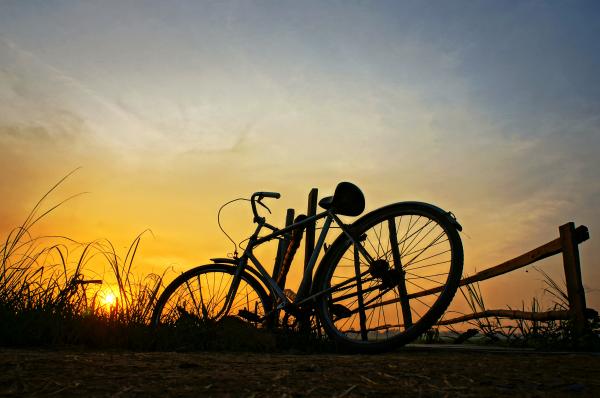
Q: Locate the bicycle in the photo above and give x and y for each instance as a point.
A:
(386, 279)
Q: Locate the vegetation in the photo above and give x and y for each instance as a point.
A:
(50, 296)
(541, 334)
(47, 298)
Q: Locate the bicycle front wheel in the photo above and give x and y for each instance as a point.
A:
(397, 284)
(199, 294)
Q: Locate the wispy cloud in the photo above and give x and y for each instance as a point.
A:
(490, 110)
(35, 93)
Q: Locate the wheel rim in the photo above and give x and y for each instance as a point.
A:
(200, 298)
(390, 306)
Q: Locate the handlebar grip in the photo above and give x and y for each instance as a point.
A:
(275, 195)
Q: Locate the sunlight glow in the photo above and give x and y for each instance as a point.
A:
(108, 299)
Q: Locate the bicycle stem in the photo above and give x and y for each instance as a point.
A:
(305, 285)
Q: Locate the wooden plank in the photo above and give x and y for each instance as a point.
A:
(283, 244)
(572, 267)
(281, 249)
(309, 243)
(580, 234)
(290, 253)
(510, 314)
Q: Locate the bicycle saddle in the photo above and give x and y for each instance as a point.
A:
(347, 200)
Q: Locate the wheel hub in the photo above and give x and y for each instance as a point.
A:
(381, 269)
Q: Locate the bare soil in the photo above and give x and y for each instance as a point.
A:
(421, 372)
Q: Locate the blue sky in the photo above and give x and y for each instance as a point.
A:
(488, 108)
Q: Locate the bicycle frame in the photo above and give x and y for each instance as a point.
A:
(303, 296)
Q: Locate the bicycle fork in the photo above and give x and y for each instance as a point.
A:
(235, 283)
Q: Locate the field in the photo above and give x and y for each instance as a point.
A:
(411, 371)
(93, 346)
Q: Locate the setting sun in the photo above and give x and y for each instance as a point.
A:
(108, 299)
(231, 197)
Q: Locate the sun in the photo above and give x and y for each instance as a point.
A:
(109, 299)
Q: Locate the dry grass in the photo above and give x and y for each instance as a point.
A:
(547, 334)
(50, 296)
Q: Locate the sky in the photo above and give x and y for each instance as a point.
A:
(488, 109)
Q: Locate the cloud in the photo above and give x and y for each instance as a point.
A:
(40, 97)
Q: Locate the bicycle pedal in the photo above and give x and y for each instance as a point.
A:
(186, 316)
(290, 294)
(249, 316)
(340, 311)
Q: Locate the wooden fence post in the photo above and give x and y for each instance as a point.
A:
(309, 243)
(283, 245)
(572, 266)
(281, 249)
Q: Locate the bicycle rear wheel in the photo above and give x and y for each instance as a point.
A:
(198, 295)
(378, 303)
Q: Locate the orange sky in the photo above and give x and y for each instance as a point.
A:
(172, 112)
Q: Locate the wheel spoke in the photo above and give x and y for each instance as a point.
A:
(423, 250)
(203, 296)
(414, 244)
(403, 251)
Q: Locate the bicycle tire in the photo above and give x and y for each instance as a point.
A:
(186, 296)
(381, 281)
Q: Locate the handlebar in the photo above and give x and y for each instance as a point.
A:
(257, 197)
(275, 195)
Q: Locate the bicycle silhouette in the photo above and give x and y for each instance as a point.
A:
(370, 291)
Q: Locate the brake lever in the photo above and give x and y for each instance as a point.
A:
(263, 205)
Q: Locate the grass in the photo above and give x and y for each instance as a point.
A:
(548, 334)
(46, 299)
(50, 296)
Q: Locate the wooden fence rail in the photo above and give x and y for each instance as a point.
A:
(540, 253)
(567, 244)
(510, 314)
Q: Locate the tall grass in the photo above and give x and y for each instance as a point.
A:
(530, 333)
(492, 328)
(47, 295)
(51, 295)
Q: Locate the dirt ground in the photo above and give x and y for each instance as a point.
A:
(411, 371)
